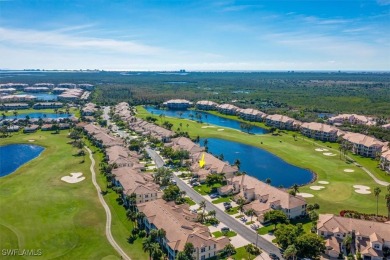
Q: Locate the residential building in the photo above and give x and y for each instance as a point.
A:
(385, 161)
(17, 98)
(46, 127)
(59, 90)
(18, 86)
(36, 89)
(206, 105)
(13, 106)
(352, 119)
(282, 122)
(179, 104)
(121, 156)
(30, 129)
(145, 128)
(251, 114)
(184, 143)
(387, 126)
(71, 94)
(263, 197)
(7, 90)
(66, 85)
(86, 86)
(368, 237)
(47, 85)
(44, 105)
(227, 109)
(139, 183)
(320, 131)
(364, 145)
(89, 109)
(180, 227)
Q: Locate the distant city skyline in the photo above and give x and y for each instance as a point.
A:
(268, 35)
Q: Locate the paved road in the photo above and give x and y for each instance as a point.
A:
(242, 230)
(155, 157)
(109, 236)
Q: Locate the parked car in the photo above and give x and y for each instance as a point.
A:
(214, 195)
(174, 182)
(227, 204)
(225, 229)
(195, 184)
(273, 256)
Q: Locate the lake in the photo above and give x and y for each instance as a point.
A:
(259, 163)
(206, 118)
(13, 156)
(39, 115)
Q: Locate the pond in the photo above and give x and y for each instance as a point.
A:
(39, 115)
(205, 117)
(13, 156)
(42, 96)
(259, 163)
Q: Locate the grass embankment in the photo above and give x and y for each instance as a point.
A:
(39, 211)
(336, 196)
(72, 110)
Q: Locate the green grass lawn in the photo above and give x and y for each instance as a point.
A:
(39, 211)
(222, 199)
(266, 229)
(227, 234)
(189, 201)
(30, 110)
(240, 254)
(232, 211)
(205, 189)
(336, 196)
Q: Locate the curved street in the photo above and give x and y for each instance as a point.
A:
(109, 236)
(242, 230)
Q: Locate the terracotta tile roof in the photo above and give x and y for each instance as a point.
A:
(320, 127)
(362, 139)
(329, 222)
(178, 222)
(133, 181)
(207, 103)
(228, 107)
(184, 143)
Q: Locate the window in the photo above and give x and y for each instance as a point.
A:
(203, 250)
(376, 246)
(146, 195)
(203, 257)
(215, 245)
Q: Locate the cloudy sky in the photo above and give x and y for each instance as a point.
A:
(195, 35)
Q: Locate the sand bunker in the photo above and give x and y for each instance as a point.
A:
(220, 129)
(361, 189)
(31, 140)
(329, 154)
(349, 170)
(74, 178)
(305, 195)
(323, 182)
(321, 150)
(317, 187)
(208, 126)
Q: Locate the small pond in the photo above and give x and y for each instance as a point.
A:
(205, 118)
(39, 115)
(259, 163)
(13, 156)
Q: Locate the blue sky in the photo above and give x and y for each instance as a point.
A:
(195, 35)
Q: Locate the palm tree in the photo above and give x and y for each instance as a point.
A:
(252, 250)
(241, 202)
(347, 242)
(237, 163)
(212, 213)
(268, 181)
(377, 191)
(290, 251)
(155, 251)
(202, 205)
(295, 188)
(147, 246)
(205, 142)
(229, 250)
(161, 234)
(387, 197)
(250, 212)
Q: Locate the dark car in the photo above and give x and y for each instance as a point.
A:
(225, 229)
(227, 204)
(273, 256)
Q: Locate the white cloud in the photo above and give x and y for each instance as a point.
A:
(58, 39)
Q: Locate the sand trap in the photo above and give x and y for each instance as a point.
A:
(329, 154)
(323, 182)
(361, 189)
(317, 187)
(31, 140)
(349, 170)
(319, 150)
(220, 129)
(208, 126)
(74, 178)
(305, 195)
